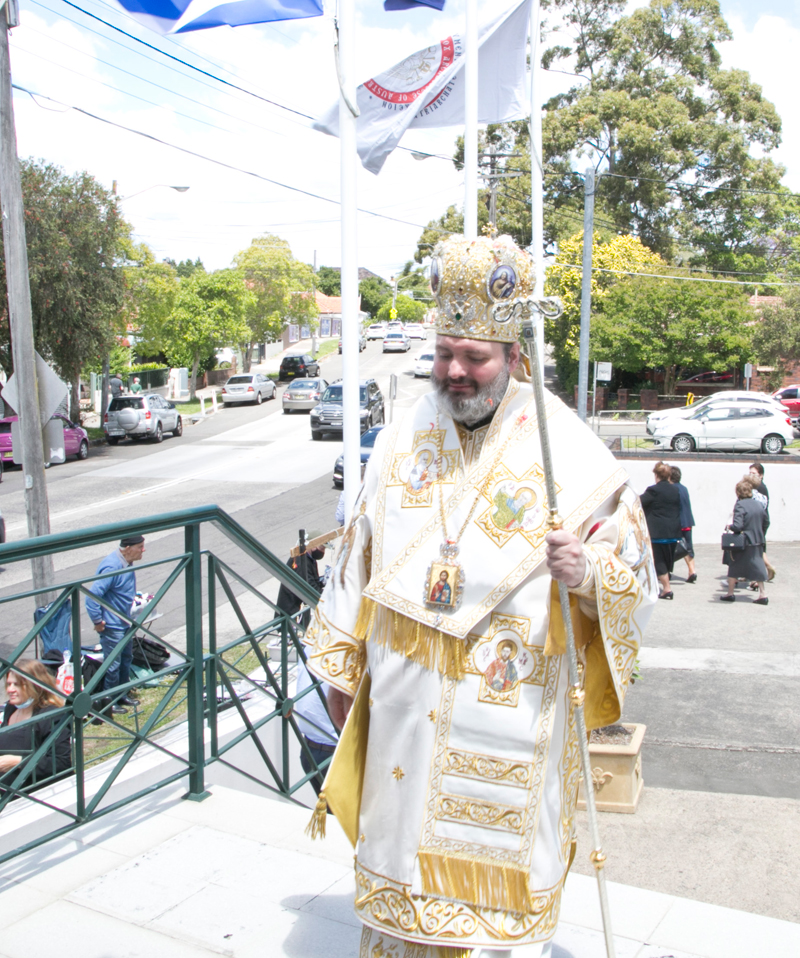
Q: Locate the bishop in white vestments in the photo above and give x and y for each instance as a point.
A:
(457, 773)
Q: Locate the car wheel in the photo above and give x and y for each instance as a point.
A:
(259, 398)
(112, 440)
(683, 443)
(178, 430)
(274, 392)
(772, 445)
(286, 411)
(316, 434)
(159, 436)
(83, 450)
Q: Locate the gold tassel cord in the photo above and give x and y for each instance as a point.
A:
(316, 827)
(430, 648)
(444, 951)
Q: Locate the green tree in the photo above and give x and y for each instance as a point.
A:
(564, 277)
(329, 281)
(151, 292)
(374, 292)
(672, 322)
(209, 314)
(281, 291)
(75, 238)
(676, 135)
(408, 310)
(776, 337)
(414, 283)
(186, 267)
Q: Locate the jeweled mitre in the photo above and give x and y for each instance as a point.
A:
(477, 285)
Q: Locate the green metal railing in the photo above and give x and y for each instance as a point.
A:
(207, 701)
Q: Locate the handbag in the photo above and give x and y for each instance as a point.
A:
(681, 548)
(734, 541)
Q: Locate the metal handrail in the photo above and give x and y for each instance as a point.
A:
(188, 683)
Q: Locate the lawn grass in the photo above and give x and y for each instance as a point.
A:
(636, 442)
(190, 408)
(327, 347)
(95, 432)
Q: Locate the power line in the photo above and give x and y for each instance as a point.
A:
(185, 63)
(222, 163)
(685, 279)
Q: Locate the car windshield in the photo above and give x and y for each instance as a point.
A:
(126, 402)
(334, 394)
(293, 361)
(5, 427)
(369, 437)
(426, 358)
(303, 384)
(394, 336)
(236, 380)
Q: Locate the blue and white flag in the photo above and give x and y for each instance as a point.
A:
(410, 4)
(181, 16)
(427, 88)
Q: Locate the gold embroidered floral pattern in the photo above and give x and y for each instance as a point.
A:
(487, 768)
(452, 808)
(389, 907)
(398, 773)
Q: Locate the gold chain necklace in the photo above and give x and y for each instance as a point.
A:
(444, 583)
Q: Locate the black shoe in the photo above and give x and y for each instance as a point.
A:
(118, 710)
(667, 595)
(727, 598)
(692, 578)
(128, 701)
(762, 601)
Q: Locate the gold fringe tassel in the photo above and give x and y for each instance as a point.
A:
(316, 827)
(443, 951)
(486, 884)
(427, 647)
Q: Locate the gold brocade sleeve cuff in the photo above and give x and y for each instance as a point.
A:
(333, 656)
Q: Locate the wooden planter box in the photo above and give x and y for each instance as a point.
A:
(617, 774)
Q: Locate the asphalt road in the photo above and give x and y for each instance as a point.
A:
(719, 685)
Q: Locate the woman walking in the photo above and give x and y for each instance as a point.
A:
(749, 518)
(687, 521)
(662, 509)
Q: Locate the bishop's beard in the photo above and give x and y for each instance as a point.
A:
(469, 410)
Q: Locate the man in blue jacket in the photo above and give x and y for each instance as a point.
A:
(118, 592)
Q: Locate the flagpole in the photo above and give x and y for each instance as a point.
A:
(471, 122)
(537, 175)
(351, 422)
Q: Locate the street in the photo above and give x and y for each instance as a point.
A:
(717, 690)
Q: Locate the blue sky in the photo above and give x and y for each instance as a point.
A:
(56, 54)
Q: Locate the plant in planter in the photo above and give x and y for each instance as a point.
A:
(616, 755)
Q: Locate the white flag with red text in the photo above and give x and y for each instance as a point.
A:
(427, 88)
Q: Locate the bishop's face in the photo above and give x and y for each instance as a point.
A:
(464, 366)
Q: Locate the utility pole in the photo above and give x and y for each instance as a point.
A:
(20, 318)
(586, 291)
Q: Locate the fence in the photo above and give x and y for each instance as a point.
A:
(211, 697)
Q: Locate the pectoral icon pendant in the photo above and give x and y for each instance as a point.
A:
(444, 583)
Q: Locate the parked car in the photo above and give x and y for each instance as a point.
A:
(327, 416)
(248, 387)
(686, 412)
(303, 394)
(362, 342)
(424, 364)
(146, 416)
(367, 445)
(297, 366)
(415, 331)
(707, 377)
(76, 439)
(376, 331)
(728, 427)
(789, 397)
(394, 342)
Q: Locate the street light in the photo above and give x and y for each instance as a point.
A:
(155, 186)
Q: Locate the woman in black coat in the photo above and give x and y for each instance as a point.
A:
(749, 518)
(20, 737)
(662, 509)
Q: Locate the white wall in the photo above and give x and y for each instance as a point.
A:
(712, 490)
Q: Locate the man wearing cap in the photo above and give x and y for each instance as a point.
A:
(117, 591)
(463, 825)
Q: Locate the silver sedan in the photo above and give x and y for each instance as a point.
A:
(248, 387)
(303, 394)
